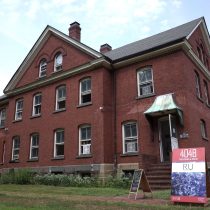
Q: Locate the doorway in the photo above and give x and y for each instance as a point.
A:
(168, 137)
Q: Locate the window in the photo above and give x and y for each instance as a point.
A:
(145, 82)
(85, 91)
(59, 143)
(58, 62)
(85, 140)
(37, 104)
(61, 98)
(197, 85)
(206, 92)
(203, 129)
(19, 109)
(43, 68)
(2, 117)
(34, 146)
(130, 137)
(15, 148)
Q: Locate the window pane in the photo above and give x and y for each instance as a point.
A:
(83, 133)
(35, 140)
(61, 92)
(133, 130)
(34, 152)
(58, 60)
(38, 99)
(85, 85)
(142, 76)
(86, 98)
(59, 150)
(19, 104)
(61, 105)
(148, 74)
(59, 136)
(127, 131)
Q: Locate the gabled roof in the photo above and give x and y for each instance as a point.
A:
(156, 41)
(49, 30)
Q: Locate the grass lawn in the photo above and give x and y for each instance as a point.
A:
(21, 197)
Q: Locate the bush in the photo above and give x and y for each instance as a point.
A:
(21, 176)
(115, 182)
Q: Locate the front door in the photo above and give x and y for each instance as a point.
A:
(167, 136)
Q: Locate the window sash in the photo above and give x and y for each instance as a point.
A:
(85, 91)
(34, 151)
(203, 129)
(59, 143)
(15, 148)
(85, 140)
(61, 98)
(19, 110)
(206, 92)
(2, 117)
(198, 88)
(145, 82)
(43, 68)
(130, 137)
(58, 62)
(37, 104)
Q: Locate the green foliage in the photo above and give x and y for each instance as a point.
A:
(21, 176)
(115, 182)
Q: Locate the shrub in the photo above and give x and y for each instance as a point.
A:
(20, 176)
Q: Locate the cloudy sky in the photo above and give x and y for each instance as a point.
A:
(116, 22)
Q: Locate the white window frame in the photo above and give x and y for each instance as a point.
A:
(197, 85)
(58, 65)
(61, 99)
(86, 92)
(19, 111)
(2, 117)
(132, 139)
(85, 144)
(58, 143)
(15, 157)
(151, 81)
(37, 104)
(43, 68)
(33, 146)
(203, 129)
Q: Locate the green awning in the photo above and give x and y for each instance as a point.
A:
(163, 105)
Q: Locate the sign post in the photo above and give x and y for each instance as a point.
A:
(188, 178)
(139, 180)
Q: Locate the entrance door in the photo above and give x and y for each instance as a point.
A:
(168, 137)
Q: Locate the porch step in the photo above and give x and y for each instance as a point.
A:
(159, 176)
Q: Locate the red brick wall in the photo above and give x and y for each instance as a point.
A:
(72, 57)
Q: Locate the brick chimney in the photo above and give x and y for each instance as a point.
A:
(74, 31)
(105, 48)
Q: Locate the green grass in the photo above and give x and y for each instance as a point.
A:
(34, 197)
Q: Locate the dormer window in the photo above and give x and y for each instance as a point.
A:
(43, 68)
(58, 62)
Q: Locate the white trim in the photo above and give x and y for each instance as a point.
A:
(194, 29)
(55, 142)
(80, 140)
(32, 135)
(40, 104)
(123, 135)
(138, 80)
(36, 48)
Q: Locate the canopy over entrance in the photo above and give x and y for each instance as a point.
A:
(164, 104)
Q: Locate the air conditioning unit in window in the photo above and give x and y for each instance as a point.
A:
(131, 147)
(86, 149)
(58, 68)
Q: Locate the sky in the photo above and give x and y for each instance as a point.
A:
(116, 22)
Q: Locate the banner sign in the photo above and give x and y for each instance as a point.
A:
(188, 177)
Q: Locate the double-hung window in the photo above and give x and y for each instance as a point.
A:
(197, 85)
(37, 101)
(85, 91)
(34, 146)
(59, 143)
(43, 68)
(85, 140)
(61, 98)
(206, 92)
(58, 62)
(2, 117)
(203, 129)
(130, 137)
(19, 109)
(145, 82)
(15, 148)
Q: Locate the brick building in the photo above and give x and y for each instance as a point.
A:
(71, 109)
